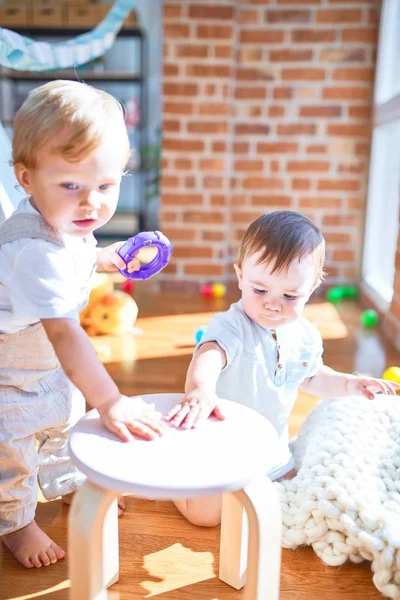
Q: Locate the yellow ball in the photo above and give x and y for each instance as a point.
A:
(218, 290)
(392, 374)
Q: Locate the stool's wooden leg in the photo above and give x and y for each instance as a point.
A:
(261, 502)
(93, 542)
(233, 542)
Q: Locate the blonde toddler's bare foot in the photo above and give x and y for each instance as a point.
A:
(32, 547)
(67, 499)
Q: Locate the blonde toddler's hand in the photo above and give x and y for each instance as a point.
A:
(195, 407)
(359, 385)
(108, 259)
(127, 417)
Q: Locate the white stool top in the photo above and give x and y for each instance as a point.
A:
(215, 457)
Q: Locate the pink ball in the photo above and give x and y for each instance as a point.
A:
(206, 290)
(128, 286)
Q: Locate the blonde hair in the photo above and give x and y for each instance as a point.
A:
(74, 117)
(282, 237)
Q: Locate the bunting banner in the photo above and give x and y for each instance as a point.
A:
(25, 54)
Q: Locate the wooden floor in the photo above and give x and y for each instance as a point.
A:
(161, 554)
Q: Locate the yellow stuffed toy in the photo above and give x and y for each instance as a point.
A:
(108, 311)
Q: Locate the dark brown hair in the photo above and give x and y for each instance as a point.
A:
(282, 237)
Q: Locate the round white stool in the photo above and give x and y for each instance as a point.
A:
(230, 457)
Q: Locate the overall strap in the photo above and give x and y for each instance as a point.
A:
(21, 225)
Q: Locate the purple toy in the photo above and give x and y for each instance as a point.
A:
(141, 240)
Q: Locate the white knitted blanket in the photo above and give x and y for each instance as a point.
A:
(345, 498)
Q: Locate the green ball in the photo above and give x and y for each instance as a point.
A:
(350, 291)
(335, 294)
(369, 318)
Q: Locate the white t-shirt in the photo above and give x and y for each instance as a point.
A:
(42, 280)
(265, 373)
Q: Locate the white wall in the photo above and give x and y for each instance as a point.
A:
(126, 53)
(150, 15)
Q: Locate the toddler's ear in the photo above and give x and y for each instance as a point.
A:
(23, 175)
(314, 287)
(238, 272)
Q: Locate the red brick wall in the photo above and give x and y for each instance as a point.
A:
(266, 106)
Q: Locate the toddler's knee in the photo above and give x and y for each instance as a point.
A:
(203, 512)
(203, 515)
(204, 520)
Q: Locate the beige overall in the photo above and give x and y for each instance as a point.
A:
(38, 404)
